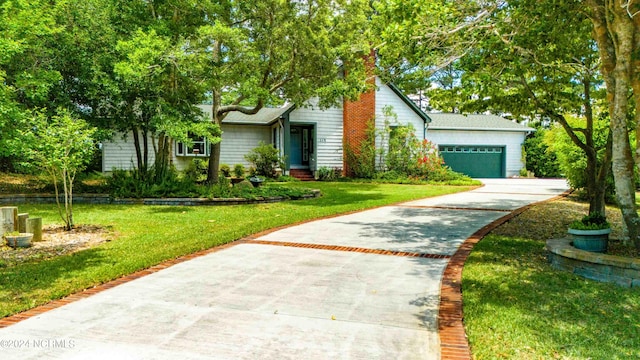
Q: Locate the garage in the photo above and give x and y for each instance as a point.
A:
(475, 161)
(478, 145)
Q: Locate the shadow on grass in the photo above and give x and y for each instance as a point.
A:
(23, 284)
(509, 288)
(341, 193)
(169, 209)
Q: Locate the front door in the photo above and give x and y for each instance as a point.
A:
(301, 147)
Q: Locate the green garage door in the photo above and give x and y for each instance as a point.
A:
(475, 161)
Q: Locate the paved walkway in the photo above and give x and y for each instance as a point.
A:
(360, 286)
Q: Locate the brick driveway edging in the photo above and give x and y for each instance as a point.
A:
(454, 344)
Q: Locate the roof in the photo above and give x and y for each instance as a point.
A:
(410, 103)
(478, 122)
(266, 116)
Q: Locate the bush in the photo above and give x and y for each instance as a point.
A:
(361, 160)
(123, 183)
(573, 161)
(265, 159)
(287, 178)
(137, 184)
(391, 175)
(444, 174)
(243, 185)
(329, 174)
(238, 170)
(539, 157)
(197, 170)
(222, 189)
(225, 170)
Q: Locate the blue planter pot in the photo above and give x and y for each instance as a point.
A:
(590, 240)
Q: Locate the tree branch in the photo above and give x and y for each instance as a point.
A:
(243, 109)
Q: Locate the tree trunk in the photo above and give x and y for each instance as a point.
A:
(162, 157)
(614, 31)
(137, 145)
(214, 156)
(214, 164)
(595, 190)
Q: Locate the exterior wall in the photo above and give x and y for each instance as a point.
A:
(329, 131)
(512, 140)
(239, 140)
(121, 154)
(386, 97)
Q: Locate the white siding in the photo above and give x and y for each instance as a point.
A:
(121, 154)
(239, 140)
(328, 133)
(511, 140)
(386, 97)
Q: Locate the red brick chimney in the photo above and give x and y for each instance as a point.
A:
(357, 115)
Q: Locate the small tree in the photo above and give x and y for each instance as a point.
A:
(62, 147)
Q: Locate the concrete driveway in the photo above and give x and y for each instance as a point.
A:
(359, 286)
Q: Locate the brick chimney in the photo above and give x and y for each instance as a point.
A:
(357, 115)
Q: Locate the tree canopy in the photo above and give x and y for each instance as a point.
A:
(531, 59)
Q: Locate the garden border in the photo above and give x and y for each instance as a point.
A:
(595, 266)
(101, 199)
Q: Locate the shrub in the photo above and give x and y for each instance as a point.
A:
(266, 159)
(197, 170)
(539, 157)
(243, 185)
(361, 160)
(287, 178)
(222, 189)
(225, 170)
(328, 174)
(137, 184)
(572, 159)
(123, 183)
(238, 170)
(391, 175)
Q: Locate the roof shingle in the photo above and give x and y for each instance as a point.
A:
(447, 121)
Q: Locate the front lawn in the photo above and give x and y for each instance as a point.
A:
(517, 307)
(148, 235)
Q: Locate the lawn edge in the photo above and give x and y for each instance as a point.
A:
(454, 343)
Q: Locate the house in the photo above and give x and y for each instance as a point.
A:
(310, 138)
(481, 146)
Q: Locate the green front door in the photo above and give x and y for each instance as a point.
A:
(475, 161)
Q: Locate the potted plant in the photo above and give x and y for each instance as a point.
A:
(238, 172)
(17, 239)
(591, 233)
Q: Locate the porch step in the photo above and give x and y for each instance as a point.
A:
(302, 174)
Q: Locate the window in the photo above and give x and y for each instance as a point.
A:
(199, 147)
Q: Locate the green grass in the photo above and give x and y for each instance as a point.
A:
(517, 307)
(147, 235)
